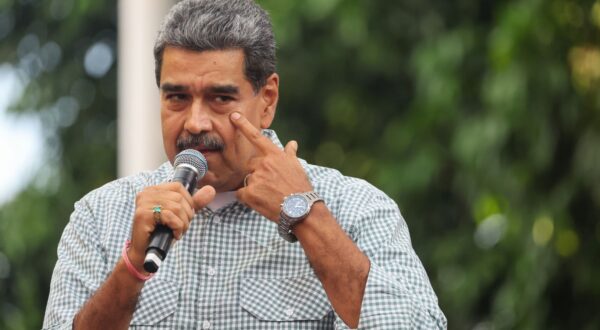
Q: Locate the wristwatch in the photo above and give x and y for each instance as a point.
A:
(294, 209)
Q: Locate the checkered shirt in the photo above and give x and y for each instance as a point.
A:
(232, 270)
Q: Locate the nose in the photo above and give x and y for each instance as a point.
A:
(198, 119)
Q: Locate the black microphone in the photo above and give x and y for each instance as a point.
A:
(190, 166)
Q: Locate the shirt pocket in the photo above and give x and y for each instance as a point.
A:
(158, 301)
(284, 299)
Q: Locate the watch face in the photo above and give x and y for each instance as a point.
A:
(295, 206)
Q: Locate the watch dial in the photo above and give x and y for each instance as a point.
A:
(295, 206)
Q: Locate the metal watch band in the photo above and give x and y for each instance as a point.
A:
(286, 224)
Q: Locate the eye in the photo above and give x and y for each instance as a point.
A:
(223, 99)
(176, 97)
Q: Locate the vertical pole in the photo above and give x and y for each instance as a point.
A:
(139, 135)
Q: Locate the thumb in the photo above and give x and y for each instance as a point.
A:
(291, 148)
(203, 196)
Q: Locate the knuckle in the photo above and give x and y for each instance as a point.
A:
(172, 186)
(176, 234)
(167, 213)
(183, 216)
(178, 225)
(178, 187)
(176, 207)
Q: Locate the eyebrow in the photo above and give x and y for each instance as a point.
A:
(223, 89)
(217, 89)
(166, 87)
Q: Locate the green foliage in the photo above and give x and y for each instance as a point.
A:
(79, 113)
(481, 119)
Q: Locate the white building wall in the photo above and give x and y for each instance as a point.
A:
(139, 136)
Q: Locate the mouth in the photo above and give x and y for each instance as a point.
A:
(207, 150)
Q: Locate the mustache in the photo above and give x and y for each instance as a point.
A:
(202, 140)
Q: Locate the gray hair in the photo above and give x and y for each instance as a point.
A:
(201, 25)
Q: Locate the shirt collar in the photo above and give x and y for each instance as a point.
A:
(272, 136)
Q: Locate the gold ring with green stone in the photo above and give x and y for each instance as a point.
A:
(156, 211)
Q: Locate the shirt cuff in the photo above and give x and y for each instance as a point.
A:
(61, 326)
(387, 304)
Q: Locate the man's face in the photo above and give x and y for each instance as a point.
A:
(198, 92)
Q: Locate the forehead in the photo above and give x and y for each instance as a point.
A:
(197, 68)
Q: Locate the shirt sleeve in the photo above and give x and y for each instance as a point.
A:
(79, 270)
(398, 294)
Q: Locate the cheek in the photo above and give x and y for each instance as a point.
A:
(168, 130)
(251, 112)
(172, 122)
(237, 146)
(171, 129)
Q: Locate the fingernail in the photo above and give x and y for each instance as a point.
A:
(235, 116)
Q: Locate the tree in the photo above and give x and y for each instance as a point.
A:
(63, 52)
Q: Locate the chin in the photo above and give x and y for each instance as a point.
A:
(210, 179)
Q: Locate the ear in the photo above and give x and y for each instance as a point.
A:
(269, 96)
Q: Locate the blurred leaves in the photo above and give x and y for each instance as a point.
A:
(480, 118)
(45, 43)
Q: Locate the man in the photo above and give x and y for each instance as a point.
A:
(233, 266)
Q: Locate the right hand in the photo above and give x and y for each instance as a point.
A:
(177, 210)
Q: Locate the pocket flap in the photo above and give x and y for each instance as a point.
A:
(284, 299)
(158, 300)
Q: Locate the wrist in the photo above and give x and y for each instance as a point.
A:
(314, 220)
(294, 209)
(135, 266)
(137, 261)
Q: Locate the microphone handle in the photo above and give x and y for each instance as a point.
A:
(187, 178)
(162, 236)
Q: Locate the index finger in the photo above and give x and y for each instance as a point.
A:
(264, 144)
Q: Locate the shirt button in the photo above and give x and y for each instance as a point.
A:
(212, 271)
(217, 219)
(289, 312)
(206, 325)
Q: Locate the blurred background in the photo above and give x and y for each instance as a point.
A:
(480, 118)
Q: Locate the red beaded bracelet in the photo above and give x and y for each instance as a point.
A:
(130, 267)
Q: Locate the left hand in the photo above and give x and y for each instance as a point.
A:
(274, 173)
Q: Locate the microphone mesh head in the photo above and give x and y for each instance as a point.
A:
(193, 158)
